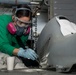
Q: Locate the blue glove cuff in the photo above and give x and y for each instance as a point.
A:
(20, 52)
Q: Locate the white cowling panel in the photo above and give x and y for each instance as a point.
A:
(55, 49)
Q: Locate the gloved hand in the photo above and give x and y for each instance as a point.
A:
(27, 53)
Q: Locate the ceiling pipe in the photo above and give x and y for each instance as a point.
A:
(19, 2)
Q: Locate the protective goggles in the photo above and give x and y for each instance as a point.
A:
(22, 23)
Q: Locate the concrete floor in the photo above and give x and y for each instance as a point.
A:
(33, 72)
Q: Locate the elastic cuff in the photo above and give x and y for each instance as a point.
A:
(20, 52)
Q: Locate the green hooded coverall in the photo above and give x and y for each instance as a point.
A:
(8, 41)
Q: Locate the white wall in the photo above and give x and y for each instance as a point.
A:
(41, 22)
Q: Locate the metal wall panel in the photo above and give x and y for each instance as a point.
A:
(64, 1)
(64, 7)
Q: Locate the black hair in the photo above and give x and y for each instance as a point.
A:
(22, 13)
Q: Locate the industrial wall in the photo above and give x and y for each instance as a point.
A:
(63, 7)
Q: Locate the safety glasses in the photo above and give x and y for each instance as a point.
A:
(22, 23)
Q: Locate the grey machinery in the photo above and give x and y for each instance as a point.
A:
(57, 50)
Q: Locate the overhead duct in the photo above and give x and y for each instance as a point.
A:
(18, 2)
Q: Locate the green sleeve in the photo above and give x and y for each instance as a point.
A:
(5, 44)
(7, 48)
(5, 41)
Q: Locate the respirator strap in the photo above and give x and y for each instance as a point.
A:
(17, 9)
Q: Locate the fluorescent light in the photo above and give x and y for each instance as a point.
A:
(38, 13)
